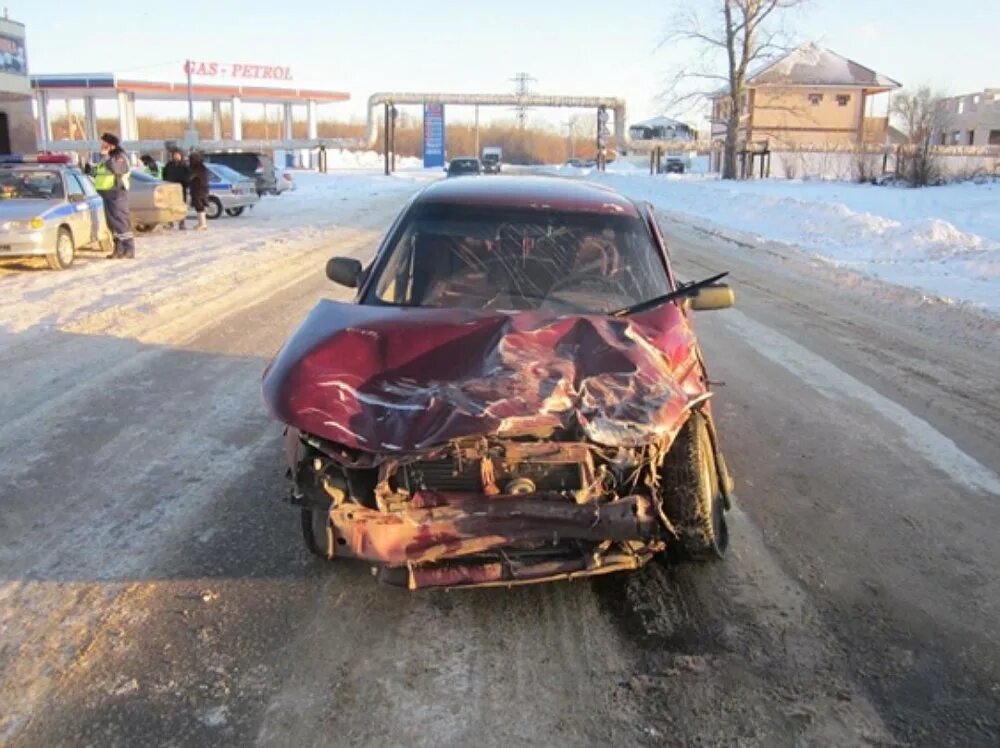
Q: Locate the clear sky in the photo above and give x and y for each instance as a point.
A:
(569, 46)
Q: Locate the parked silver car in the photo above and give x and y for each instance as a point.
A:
(283, 180)
(229, 191)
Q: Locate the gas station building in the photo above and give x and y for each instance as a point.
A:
(89, 88)
(17, 124)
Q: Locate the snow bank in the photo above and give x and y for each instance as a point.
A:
(341, 159)
(944, 241)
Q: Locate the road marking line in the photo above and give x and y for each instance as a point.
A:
(919, 435)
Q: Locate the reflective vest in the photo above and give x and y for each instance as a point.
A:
(105, 180)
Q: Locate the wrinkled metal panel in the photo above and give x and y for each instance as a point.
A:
(391, 381)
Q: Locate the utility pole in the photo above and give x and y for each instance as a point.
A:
(386, 138)
(477, 130)
(522, 87)
(188, 65)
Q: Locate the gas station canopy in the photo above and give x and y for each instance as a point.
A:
(109, 86)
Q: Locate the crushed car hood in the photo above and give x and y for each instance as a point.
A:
(386, 379)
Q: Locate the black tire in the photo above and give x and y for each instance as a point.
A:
(235, 211)
(213, 208)
(64, 252)
(692, 497)
(144, 228)
(314, 532)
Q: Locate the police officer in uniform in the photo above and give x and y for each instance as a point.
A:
(111, 178)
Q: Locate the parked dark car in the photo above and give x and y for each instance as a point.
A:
(256, 166)
(517, 394)
(459, 167)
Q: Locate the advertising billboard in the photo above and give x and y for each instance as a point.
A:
(12, 58)
(433, 135)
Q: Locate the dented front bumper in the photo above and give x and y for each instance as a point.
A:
(575, 520)
(420, 544)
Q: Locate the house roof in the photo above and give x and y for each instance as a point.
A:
(811, 65)
(660, 122)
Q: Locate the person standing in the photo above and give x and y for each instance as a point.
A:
(198, 185)
(152, 168)
(111, 179)
(177, 171)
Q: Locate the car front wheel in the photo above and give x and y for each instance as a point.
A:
(316, 531)
(234, 211)
(64, 253)
(213, 209)
(692, 496)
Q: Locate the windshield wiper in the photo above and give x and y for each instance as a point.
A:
(689, 289)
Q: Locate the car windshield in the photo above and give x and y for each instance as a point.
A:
(567, 262)
(463, 165)
(31, 184)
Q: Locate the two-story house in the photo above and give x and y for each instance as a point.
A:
(811, 96)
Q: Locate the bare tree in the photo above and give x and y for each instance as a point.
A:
(922, 117)
(729, 38)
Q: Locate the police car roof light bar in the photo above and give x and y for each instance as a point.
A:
(41, 158)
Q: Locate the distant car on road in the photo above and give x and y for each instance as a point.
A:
(255, 166)
(284, 180)
(673, 165)
(492, 159)
(49, 208)
(460, 167)
(228, 191)
(152, 202)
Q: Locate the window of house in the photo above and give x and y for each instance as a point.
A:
(994, 138)
(743, 103)
(975, 100)
(815, 99)
(956, 137)
(972, 137)
(843, 99)
(961, 106)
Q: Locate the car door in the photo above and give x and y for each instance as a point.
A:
(79, 218)
(95, 207)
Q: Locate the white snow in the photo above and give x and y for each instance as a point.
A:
(944, 241)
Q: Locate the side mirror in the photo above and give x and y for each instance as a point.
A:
(344, 270)
(716, 296)
(77, 197)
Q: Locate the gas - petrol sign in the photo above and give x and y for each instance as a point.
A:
(238, 70)
(433, 135)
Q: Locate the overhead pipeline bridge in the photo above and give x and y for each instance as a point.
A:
(379, 106)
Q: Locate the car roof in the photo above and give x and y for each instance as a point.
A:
(532, 192)
(38, 167)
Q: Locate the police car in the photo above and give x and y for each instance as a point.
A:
(49, 208)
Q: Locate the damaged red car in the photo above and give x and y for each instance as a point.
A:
(516, 395)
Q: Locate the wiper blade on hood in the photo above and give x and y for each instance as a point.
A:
(687, 290)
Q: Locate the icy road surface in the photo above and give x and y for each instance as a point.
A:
(154, 589)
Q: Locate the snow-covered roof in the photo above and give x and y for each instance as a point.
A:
(811, 65)
(660, 122)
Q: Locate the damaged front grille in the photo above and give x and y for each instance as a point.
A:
(466, 476)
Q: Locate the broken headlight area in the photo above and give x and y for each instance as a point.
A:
(484, 511)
